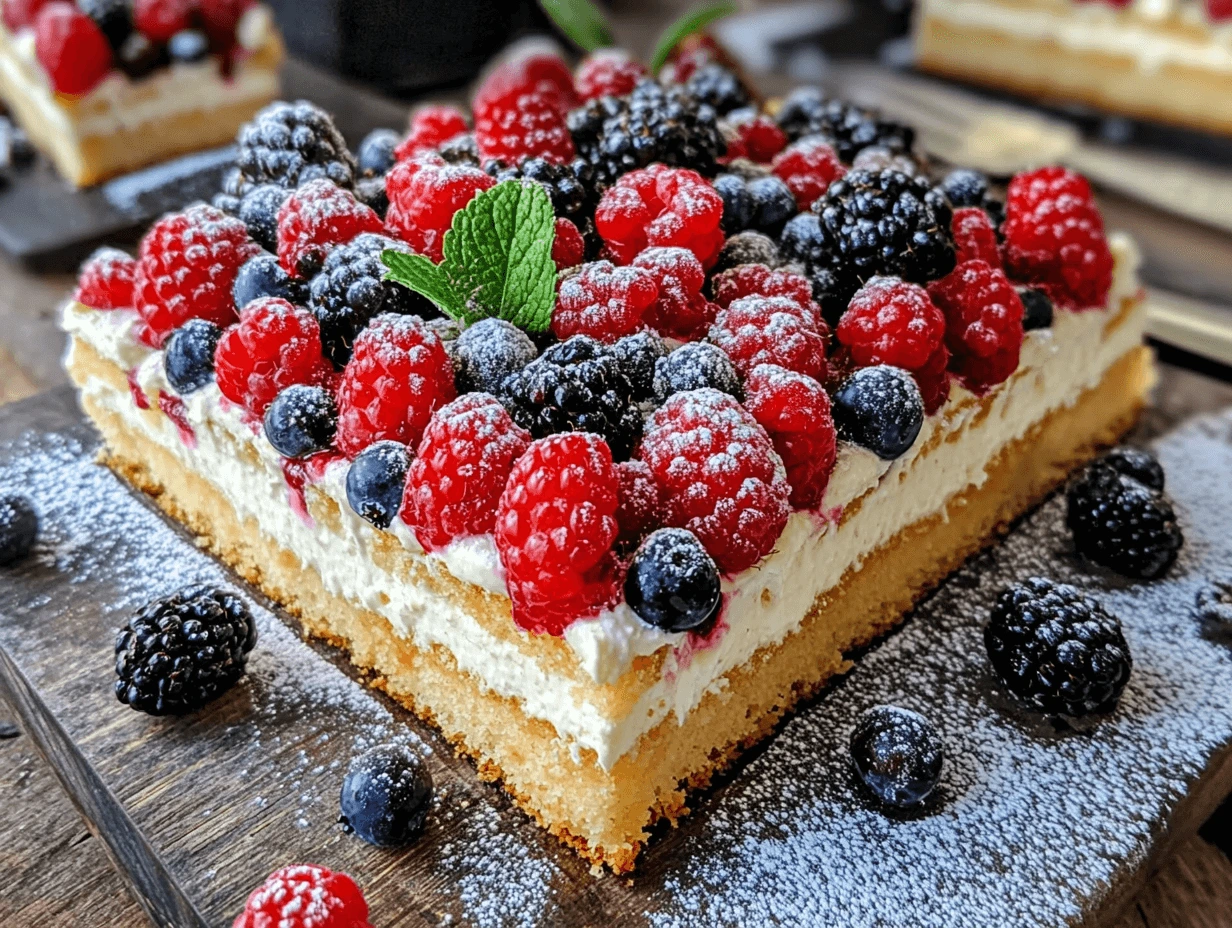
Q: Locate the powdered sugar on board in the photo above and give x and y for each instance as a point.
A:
(1031, 826)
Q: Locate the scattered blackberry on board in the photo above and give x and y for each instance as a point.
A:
(259, 211)
(719, 88)
(965, 187)
(263, 276)
(189, 46)
(576, 386)
(694, 366)
(19, 526)
(849, 128)
(879, 408)
(290, 144)
(569, 186)
(763, 204)
(638, 355)
(1056, 649)
(1136, 463)
(301, 421)
(113, 17)
(1213, 608)
(673, 583)
(1122, 523)
(375, 482)
(487, 353)
(1037, 309)
(188, 356)
(375, 155)
(898, 754)
(748, 248)
(386, 796)
(178, 653)
(351, 289)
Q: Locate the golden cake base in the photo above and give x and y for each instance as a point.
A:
(605, 815)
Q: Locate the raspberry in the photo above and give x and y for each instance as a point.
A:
(18, 14)
(773, 330)
(974, 237)
(431, 126)
(424, 195)
(640, 502)
(983, 319)
(71, 48)
(933, 379)
(681, 311)
(759, 280)
(305, 896)
(398, 375)
(795, 412)
(275, 346)
(719, 474)
(661, 206)
(603, 301)
(608, 72)
(808, 167)
(1219, 10)
(528, 125)
(186, 266)
(543, 74)
(159, 20)
(318, 216)
(568, 248)
(758, 138)
(1054, 238)
(693, 53)
(459, 472)
(106, 280)
(555, 527)
(220, 19)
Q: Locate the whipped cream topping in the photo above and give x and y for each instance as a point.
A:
(765, 603)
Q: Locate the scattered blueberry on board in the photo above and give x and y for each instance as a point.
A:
(386, 796)
(673, 583)
(19, 527)
(1056, 649)
(880, 408)
(898, 754)
(179, 652)
(376, 480)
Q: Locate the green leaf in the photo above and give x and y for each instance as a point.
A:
(685, 26)
(582, 21)
(415, 272)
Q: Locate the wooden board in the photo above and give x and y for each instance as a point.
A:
(1033, 826)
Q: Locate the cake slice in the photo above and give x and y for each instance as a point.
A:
(108, 94)
(606, 559)
(1168, 61)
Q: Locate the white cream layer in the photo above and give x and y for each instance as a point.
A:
(766, 603)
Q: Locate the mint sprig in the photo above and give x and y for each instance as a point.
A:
(497, 260)
(582, 21)
(685, 26)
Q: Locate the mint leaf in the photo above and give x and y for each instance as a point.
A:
(415, 272)
(580, 20)
(685, 26)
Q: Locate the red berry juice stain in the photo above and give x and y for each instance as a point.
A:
(175, 410)
(140, 400)
(703, 639)
(299, 472)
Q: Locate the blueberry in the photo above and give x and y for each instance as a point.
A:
(18, 528)
(301, 421)
(372, 193)
(673, 583)
(259, 211)
(804, 241)
(897, 754)
(773, 204)
(694, 366)
(138, 56)
(965, 187)
(748, 248)
(264, 276)
(638, 354)
(1037, 309)
(487, 353)
(386, 796)
(375, 482)
(189, 356)
(189, 45)
(737, 203)
(1136, 463)
(879, 408)
(376, 152)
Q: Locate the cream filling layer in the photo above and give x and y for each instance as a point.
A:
(766, 603)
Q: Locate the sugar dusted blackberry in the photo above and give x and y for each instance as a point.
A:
(570, 186)
(188, 356)
(719, 88)
(263, 276)
(576, 386)
(898, 754)
(879, 408)
(301, 421)
(693, 367)
(1136, 463)
(849, 128)
(375, 155)
(1213, 609)
(965, 187)
(748, 248)
(375, 482)
(673, 583)
(487, 353)
(386, 796)
(1056, 649)
(351, 290)
(763, 204)
(461, 149)
(178, 653)
(881, 158)
(1037, 309)
(290, 144)
(19, 526)
(638, 355)
(258, 210)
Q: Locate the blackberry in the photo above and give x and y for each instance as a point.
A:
(386, 796)
(290, 144)
(114, 19)
(763, 204)
(748, 248)
(673, 583)
(638, 354)
(664, 124)
(1037, 309)
(375, 155)
(694, 366)
(847, 127)
(898, 755)
(188, 356)
(263, 276)
(576, 385)
(178, 653)
(879, 408)
(375, 482)
(1056, 649)
(487, 353)
(1122, 523)
(1136, 463)
(461, 149)
(301, 421)
(258, 210)
(719, 88)
(965, 187)
(880, 158)
(188, 46)
(570, 186)
(1213, 609)
(19, 525)
(351, 289)
(139, 57)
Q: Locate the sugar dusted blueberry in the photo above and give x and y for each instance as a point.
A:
(188, 359)
(386, 796)
(263, 276)
(898, 754)
(259, 211)
(376, 152)
(376, 481)
(673, 583)
(880, 408)
(486, 353)
(188, 46)
(1037, 309)
(693, 367)
(301, 421)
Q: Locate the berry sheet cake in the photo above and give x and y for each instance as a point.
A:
(602, 424)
